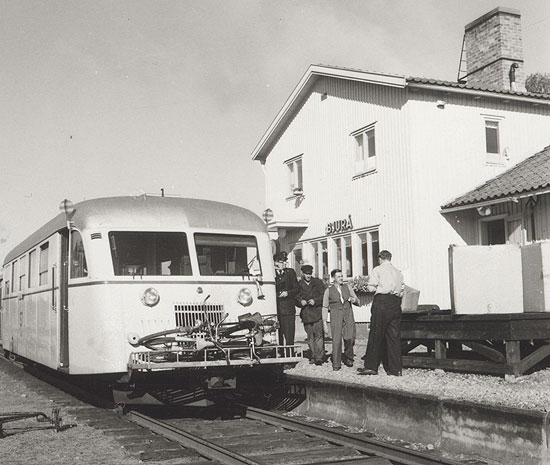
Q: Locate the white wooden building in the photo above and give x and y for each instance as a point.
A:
(358, 161)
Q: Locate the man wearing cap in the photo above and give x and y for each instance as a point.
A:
(286, 286)
(310, 300)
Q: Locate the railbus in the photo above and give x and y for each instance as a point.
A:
(141, 289)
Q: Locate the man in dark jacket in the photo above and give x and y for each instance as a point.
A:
(286, 285)
(310, 300)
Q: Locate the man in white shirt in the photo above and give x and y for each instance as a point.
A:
(384, 343)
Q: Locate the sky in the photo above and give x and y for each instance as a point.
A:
(105, 98)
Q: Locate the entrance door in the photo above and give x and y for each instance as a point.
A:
(63, 307)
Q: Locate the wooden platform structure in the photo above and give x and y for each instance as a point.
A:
(500, 344)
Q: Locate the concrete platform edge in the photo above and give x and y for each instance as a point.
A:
(507, 435)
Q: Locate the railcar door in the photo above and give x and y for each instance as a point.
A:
(63, 305)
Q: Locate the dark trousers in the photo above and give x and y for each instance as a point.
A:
(287, 329)
(384, 344)
(315, 340)
(342, 326)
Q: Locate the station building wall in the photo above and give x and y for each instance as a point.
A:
(426, 154)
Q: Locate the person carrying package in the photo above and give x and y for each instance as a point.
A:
(384, 343)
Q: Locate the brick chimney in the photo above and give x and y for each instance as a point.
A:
(494, 54)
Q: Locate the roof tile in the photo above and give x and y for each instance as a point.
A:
(531, 174)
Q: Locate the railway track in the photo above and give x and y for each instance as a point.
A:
(267, 438)
(254, 437)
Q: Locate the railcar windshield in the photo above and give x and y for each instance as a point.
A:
(227, 255)
(150, 253)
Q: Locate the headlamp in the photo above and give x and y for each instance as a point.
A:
(244, 297)
(150, 297)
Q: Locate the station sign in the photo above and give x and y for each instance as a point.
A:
(339, 226)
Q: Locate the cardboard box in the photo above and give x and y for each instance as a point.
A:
(409, 302)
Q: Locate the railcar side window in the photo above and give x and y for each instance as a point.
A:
(33, 272)
(22, 273)
(79, 269)
(150, 253)
(227, 254)
(13, 276)
(43, 268)
(7, 283)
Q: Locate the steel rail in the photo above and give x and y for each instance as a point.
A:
(366, 445)
(200, 445)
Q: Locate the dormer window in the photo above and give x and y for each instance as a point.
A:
(295, 176)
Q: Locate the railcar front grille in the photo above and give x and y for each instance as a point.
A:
(187, 314)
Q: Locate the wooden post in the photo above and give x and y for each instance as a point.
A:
(440, 353)
(440, 350)
(451, 279)
(513, 358)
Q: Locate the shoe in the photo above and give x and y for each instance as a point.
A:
(366, 371)
(394, 374)
(364, 357)
(311, 361)
(348, 363)
(319, 363)
(336, 368)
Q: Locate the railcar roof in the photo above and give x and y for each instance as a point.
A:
(149, 212)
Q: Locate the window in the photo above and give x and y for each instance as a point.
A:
(43, 268)
(491, 136)
(33, 271)
(79, 269)
(365, 149)
(22, 273)
(150, 253)
(369, 251)
(295, 175)
(13, 276)
(349, 257)
(227, 255)
(297, 258)
(321, 259)
(7, 283)
(493, 143)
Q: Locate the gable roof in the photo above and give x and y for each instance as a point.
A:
(301, 90)
(305, 84)
(529, 176)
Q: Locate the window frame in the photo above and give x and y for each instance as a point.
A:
(22, 267)
(116, 235)
(81, 266)
(364, 162)
(32, 269)
(13, 288)
(44, 272)
(202, 272)
(493, 158)
(295, 167)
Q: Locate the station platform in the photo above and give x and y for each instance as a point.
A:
(437, 410)
(507, 344)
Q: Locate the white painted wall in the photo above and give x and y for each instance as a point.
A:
(426, 156)
(448, 160)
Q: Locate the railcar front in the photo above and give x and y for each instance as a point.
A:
(149, 288)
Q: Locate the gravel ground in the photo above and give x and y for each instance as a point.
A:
(28, 442)
(531, 392)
